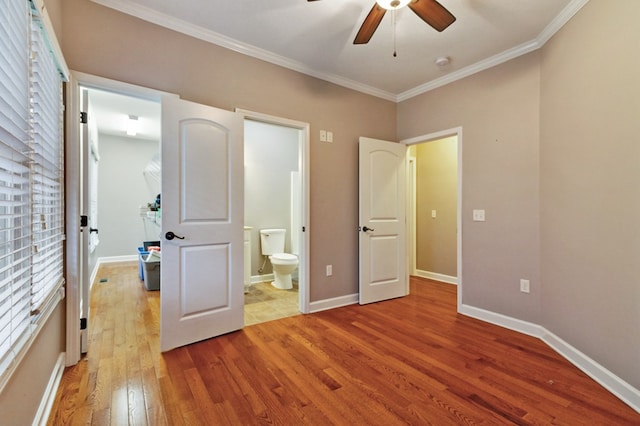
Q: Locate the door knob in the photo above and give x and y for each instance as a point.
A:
(170, 236)
(365, 229)
(92, 230)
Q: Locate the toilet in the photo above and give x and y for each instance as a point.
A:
(272, 243)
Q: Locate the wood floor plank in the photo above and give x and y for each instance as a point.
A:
(412, 360)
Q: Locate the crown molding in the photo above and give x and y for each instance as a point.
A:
(554, 26)
(213, 37)
(490, 62)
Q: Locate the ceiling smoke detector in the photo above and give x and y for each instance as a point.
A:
(443, 61)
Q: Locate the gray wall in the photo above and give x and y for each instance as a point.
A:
(20, 399)
(270, 155)
(198, 71)
(590, 185)
(550, 150)
(122, 188)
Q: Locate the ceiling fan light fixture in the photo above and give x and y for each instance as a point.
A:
(392, 4)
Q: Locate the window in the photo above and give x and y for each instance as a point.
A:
(31, 178)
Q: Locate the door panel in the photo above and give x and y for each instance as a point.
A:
(382, 182)
(202, 203)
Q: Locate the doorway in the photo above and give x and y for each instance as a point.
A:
(434, 206)
(276, 197)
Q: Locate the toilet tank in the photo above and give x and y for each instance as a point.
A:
(272, 241)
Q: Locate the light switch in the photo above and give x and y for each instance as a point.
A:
(478, 215)
(323, 135)
(329, 136)
(433, 214)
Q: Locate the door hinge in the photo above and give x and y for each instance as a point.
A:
(304, 229)
(83, 118)
(83, 323)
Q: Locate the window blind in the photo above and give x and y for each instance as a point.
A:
(31, 178)
(46, 170)
(15, 211)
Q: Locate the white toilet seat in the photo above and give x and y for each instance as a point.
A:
(284, 259)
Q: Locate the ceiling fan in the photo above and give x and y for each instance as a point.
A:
(430, 11)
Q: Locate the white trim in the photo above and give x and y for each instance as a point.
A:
(514, 324)
(117, 259)
(437, 277)
(56, 51)
(46, 403)
(334, 302)
(304, 279)
(257, 279)
(213, 37)
(559, 21)
(201, 33)
(614, 384)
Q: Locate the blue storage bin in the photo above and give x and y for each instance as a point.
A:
(142, 254)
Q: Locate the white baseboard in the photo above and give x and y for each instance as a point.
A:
(116, 259)
(437, 277)
(614, 384)
(46, 403)
(335, 302)
(255, 279)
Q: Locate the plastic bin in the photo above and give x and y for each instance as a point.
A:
(151, 274)
(143, 252)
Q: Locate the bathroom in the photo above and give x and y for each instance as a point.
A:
(272, 201)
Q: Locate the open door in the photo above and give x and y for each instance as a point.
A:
(382, 221)
(202, 223)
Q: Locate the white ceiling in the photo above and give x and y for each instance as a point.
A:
(316, 38)
(111, 112)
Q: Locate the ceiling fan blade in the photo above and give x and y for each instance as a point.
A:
(433, 13)
(370, 24)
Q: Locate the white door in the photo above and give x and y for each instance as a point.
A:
(382, 182)
(202, 205)
(85, 236)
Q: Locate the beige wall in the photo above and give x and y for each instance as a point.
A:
(20, 399)
(498, 111)
(101, 41)
(590, 185)
(436, 189)
(551, 151)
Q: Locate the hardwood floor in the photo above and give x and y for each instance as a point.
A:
(406, 361)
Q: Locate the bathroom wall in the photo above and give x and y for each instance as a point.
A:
(271, 153)
(437, 189)
(122, 188)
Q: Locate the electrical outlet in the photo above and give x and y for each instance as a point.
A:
(478, 215)
(329, 136)
(524, 286)
(329, 270)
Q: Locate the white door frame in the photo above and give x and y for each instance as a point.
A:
(455, 131)
(304, 152)
(73, 255)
